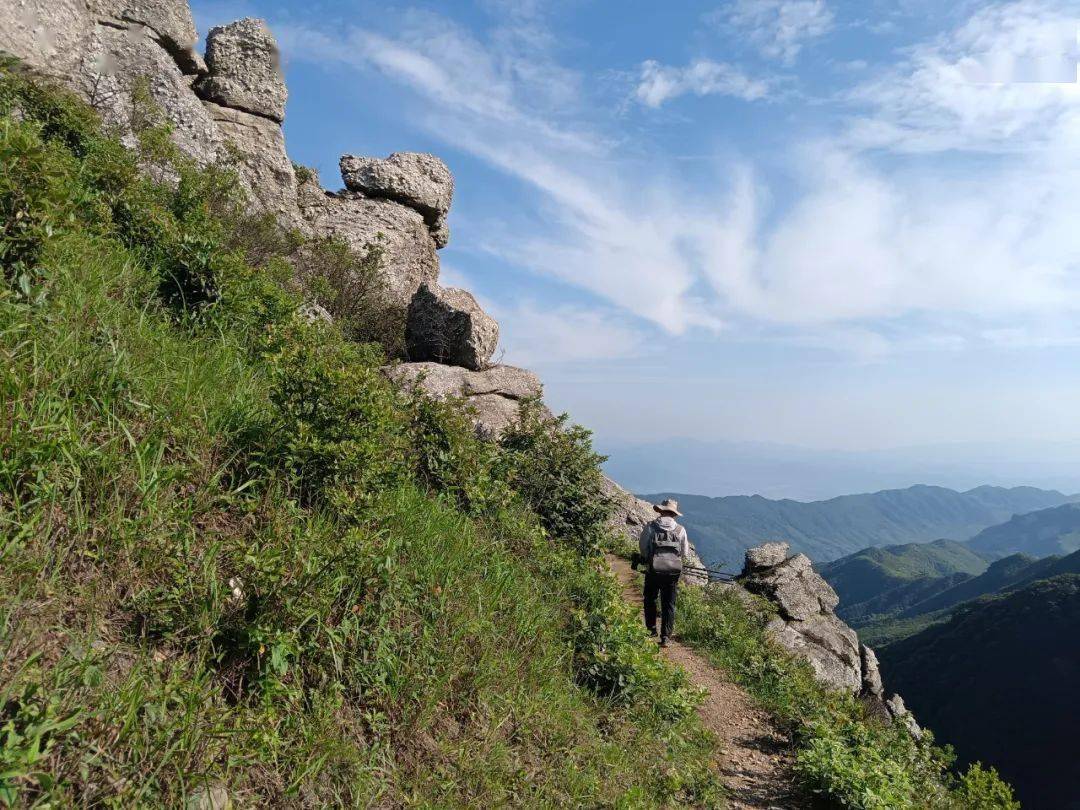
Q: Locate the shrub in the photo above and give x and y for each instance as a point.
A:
(555, 469)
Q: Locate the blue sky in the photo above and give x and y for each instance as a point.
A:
(849, 225)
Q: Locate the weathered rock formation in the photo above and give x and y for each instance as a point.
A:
(446, 325)
(229, 108)
(421, 182)
(806, 625)
(495, 394)
(244, 69)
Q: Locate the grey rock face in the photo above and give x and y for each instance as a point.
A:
(495, 394)
(51, 36)
(169, 20)
(871, 672)
(418, 180)
(795, 587)
(447, 325)
(806, 624)
(900, 713)
(407, 256)
(245, 69)
(115, 59)
(260, 159)
(765, 556)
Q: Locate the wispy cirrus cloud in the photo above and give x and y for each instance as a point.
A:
(869, 252)
(1005, 80)
(660, 83)
(779, 28)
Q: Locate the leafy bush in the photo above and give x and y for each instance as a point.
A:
(554, 468)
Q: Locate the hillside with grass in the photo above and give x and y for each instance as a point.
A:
(239, 565)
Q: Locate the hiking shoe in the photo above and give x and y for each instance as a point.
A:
(663, 641)
(652, 631)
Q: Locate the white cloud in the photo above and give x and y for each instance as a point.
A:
(535, 336)
(659, 83)
(779, 28)
(1004, 81)
(868, 254)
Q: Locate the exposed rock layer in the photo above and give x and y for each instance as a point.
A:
(495, 394)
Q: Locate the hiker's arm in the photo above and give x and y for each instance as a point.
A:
(685, 545)
(645, 542)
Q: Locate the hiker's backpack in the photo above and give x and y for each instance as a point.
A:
(666, 555)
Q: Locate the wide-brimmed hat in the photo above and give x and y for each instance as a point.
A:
(668, 505)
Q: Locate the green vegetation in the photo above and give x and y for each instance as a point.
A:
(873, 571)
(232, 554)
(998, 680)
(842, 754)
(944, 596)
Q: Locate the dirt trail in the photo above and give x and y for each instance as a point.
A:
(755, 760)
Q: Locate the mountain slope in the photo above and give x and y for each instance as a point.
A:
(873, 572)
(723, 528)
(1039, 533)
(1009, 572)
(998, 681)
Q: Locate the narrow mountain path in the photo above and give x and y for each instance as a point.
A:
(755, 760)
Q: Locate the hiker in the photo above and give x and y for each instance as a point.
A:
(662, 548)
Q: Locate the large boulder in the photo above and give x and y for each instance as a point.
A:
(494, 394)
(406, 252)
(827, 644)
(447, 325)
(245, 69)
(795, 587)
(765, 556)
(418, 180)
(805, 624)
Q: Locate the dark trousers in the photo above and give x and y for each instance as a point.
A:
(664, 586)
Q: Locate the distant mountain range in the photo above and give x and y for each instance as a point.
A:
(724, 527)
(998, 680)
(1040, 534)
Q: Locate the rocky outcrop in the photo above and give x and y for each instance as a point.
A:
(631, 514)
(170, 22)
(405, 249)
(495, 394)
(806, 625)
(244, 69)
(447, 325)
(413, 179)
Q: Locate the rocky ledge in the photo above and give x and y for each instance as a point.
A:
(806, 625)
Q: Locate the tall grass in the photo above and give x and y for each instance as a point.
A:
(232, 554)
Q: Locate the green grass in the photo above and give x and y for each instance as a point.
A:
(231, 553)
